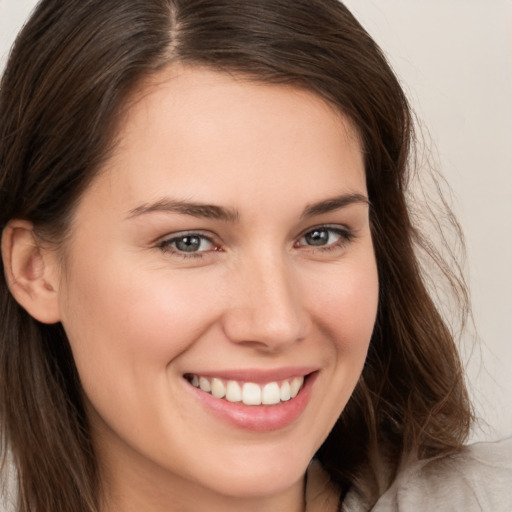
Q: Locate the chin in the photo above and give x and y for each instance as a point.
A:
(259, 479)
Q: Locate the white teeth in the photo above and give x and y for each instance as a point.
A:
(233, 391)
(218, 388)
(204, 384)
(251, 394)
(295, 386)
(271, 394)
(285, 391)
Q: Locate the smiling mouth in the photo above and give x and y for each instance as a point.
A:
(248, 393)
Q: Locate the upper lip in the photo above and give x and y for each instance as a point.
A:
(257, 375)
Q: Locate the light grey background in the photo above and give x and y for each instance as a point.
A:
(454, 58)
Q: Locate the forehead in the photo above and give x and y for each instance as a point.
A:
(198, 133)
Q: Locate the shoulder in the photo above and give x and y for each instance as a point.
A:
(477, 479)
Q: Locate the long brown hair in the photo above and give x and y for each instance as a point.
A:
(69, 75)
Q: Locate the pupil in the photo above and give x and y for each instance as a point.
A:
(317, 237)
(188, 244)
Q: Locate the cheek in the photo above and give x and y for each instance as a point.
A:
(346, 306)
(121, 323)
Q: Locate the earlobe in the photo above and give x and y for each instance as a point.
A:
(28, 271)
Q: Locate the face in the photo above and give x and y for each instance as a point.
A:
(222, 259)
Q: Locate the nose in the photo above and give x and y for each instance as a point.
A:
(266, 308)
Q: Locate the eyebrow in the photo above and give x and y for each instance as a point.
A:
(166, 205)
(334, 203)
(210, 211)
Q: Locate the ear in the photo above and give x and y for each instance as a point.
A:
(30, 272)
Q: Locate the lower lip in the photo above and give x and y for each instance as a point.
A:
(258, 418)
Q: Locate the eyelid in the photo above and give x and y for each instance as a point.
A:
(186, 232)
(339, 228)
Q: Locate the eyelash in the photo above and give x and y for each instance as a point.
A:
(345, 236)
(165, 245)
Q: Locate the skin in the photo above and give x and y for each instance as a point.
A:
(140, 314)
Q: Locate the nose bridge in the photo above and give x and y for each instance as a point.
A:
(267, 308)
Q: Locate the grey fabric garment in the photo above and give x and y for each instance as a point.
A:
(479, 479)
(8, 488)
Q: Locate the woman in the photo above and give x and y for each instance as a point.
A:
(210, 269)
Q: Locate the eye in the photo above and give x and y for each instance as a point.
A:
(324, 237)
(188, 244)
